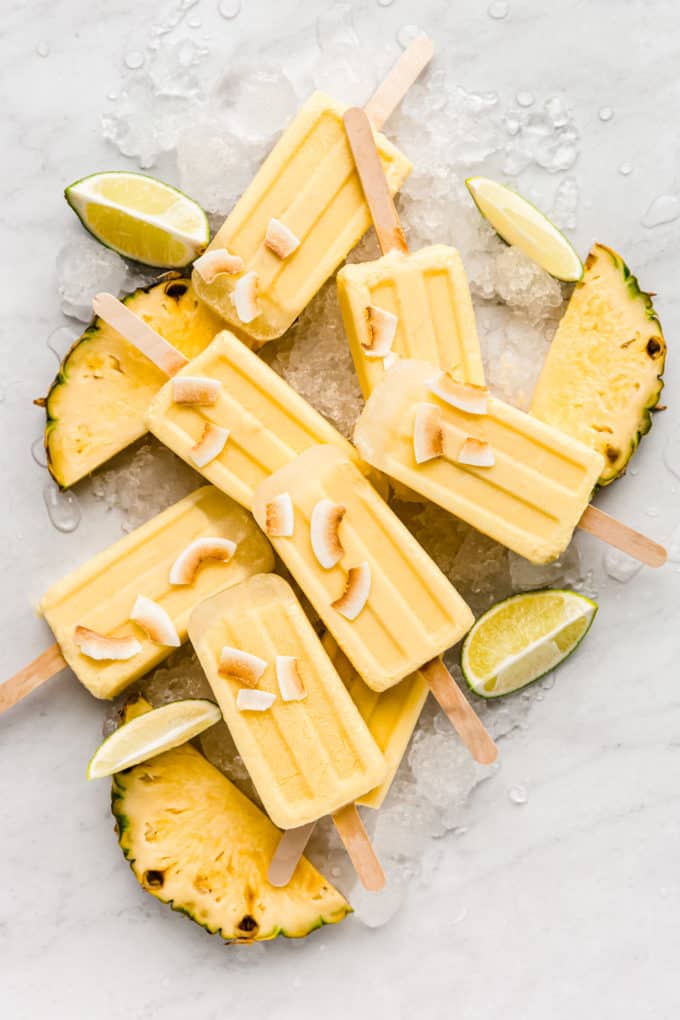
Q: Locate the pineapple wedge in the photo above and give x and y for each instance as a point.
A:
(602, 377)
(96, 404)
(196, 842)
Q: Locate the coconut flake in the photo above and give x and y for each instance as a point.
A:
(290, 682)
(185, 567)
(280, 516)
(155, 621)
(210, 445)
(324, 532)
(355, 595)
(476, 452)
(280, 239)
(248, 700)
(216, 263)
(101, 648)
(465, 396)
(382, 328)
(245, 298)
(194, 389)
(428, 438)
(241, 665)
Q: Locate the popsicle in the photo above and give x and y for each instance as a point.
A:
(383, 599)
(302, 214)
(514, 478)
(156, 574)
(403, 305)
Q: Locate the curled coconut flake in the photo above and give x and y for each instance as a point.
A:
(245, 298)
(428, 438)
(194, 389)
(280, 239)
(476, 452)
(153, 619)
(465, 396)
(216, 263)
(248, 700)
(101, 648)
(355, 595)
(242, 665)
(186, 566)
(324, 532)
(280, 516)
(382, 328)
(210, 445)
(288, 676)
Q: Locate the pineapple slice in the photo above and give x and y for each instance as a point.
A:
(196, 842)
(602, 376)
(96, 404)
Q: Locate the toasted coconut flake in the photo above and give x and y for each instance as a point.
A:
(248, 700)
(290, 682)
(476, 452)
(216, 263)
(153, 619)
(187, 564)
(210, 445)
(194, 389)
(382, 328)
(465, 396)
(280, 239)
(101, 648)
(241, 665)
(428, 438)
(280, 516)
(324, 532)
(355, 595)
(245, 298)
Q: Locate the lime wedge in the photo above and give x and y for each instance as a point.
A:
(522, 638)
(140, 217)
(150, 734)
(523, 225)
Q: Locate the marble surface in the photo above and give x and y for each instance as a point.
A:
(567, 904)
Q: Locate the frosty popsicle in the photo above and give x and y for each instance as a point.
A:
(403, 305)
(302, 213)
(154, 576)
(516, 479)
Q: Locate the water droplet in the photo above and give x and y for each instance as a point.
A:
(385, 3)
(518, 794)
(460, 916)
(112, 95)
(134, 60)
(194, 21)
(664, 209)
(548, 682)
(38, 452)
(606, 113)
(59, 341)
(671, 453)
(407, 33)
(229, 8)
(498, 10)
(625, 169)
(525, 99)
(652, 511)
(63, 508)
(43, 49)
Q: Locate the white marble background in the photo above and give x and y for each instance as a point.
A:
(567, 905)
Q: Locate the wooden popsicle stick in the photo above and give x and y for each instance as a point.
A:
(139, 334)
(402, 75)
(287, 854)
(608, 529)
(374, 182)
(359, 847)
(460, 713)
(38, 672)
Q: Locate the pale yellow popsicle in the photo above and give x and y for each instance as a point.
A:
(308, 757)
(268, 423)
(391, 716)
(429, 313)
(383, 599)
(532, 495)
(100, 595)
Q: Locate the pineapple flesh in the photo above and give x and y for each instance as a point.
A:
(195, 841)
(96, 404)
(603, 374)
